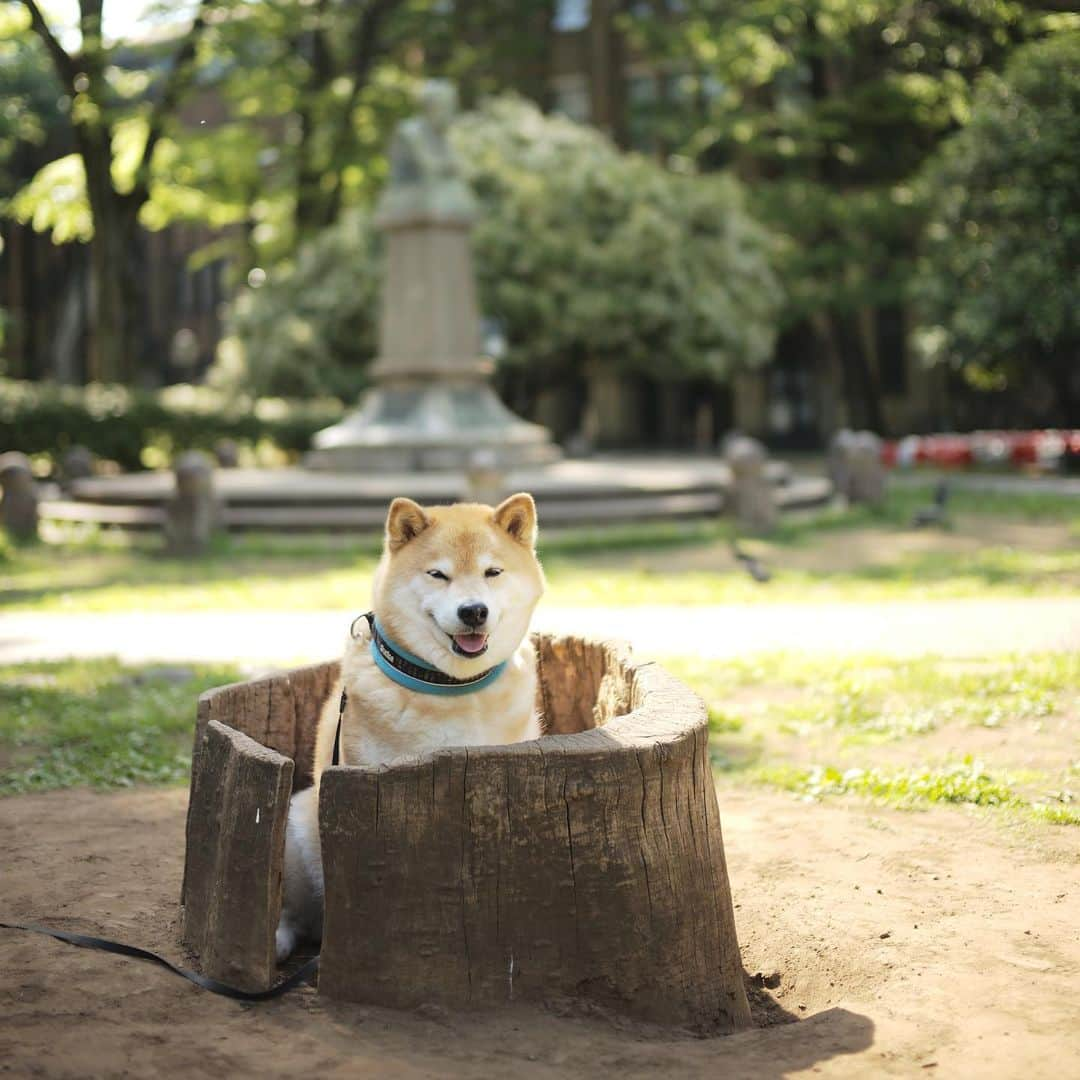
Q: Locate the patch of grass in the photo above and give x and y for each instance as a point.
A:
(645, 536)
(910, 495)
(966, 782)
(720, 721)
(1056, 814)
(883, 726)
(668, 562)
(938, 576)
(906, 494)
(98, 722)
(889, 696)
(962, 782)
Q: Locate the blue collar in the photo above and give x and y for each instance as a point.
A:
(413, 673)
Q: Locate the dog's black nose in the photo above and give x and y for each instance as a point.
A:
(473, 614)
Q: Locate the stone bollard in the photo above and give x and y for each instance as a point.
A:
(867, 482)
(76, 463)
(753, 497)
(730, 438)
(578, 445)
(19, 507)
(838, 461)
(193, 514)
(484, 479)
(227, 452)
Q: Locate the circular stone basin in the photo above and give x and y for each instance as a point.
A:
(586, 863)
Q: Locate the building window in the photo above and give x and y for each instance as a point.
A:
(571, 15)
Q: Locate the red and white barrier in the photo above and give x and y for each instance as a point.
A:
(1002, 449)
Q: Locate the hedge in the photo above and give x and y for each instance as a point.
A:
(122, 425)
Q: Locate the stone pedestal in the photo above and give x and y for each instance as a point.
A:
(752, 495)
(407, 426)
(867, 470)
(432, 406)
(77, 463)
(855, 467)
(193, 514)
(838, 461)
(19, 504)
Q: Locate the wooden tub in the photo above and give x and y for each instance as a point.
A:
(587, 863)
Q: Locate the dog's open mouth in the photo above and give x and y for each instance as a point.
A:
(470, 644)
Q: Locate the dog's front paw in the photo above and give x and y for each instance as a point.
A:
(284, 940)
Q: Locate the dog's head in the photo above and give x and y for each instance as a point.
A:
(457, 585)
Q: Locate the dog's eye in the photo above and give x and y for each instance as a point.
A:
(438, 575)
(493, 571)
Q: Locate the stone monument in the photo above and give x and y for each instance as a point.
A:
(432, 406)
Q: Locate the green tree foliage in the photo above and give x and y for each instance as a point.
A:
(827, 109)
(28, 102)
(587, 253)
(999, 285)
(583, 254)
(308, 330)
(117, 119)
(142, 428)
(269, 117)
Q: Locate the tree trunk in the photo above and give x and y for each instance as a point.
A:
(119, 313)
(1063, 366)
(863, 389)
(587, 864)
(607, 90)
(850, 371)
(315, 209)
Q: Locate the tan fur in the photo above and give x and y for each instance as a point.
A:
(384, 722)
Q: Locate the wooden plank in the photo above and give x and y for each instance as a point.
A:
(583, 682)
(280, 711)
(233, 864)
(310, 688)
(392, 851)
(586, 864)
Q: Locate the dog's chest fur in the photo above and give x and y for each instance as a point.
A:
(384, 722)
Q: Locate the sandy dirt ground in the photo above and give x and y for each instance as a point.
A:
(877, 943)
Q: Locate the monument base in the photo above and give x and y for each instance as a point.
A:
(415, 427)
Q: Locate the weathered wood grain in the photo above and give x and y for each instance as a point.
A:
(235, 845)
(582, 683)
(280, 711)
(586, 864)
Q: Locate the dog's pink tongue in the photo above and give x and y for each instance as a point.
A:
(470, 643)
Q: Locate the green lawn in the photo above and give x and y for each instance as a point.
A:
(1014, 545)
(999, 735)
(99, 722)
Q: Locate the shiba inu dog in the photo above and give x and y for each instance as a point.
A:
(444, 659)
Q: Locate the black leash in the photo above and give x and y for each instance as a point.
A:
(85, 941)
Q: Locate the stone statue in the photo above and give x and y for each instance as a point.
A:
(430, 405)
(425, 183)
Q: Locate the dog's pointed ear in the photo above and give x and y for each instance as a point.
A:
(517, 516)
(404, 521)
